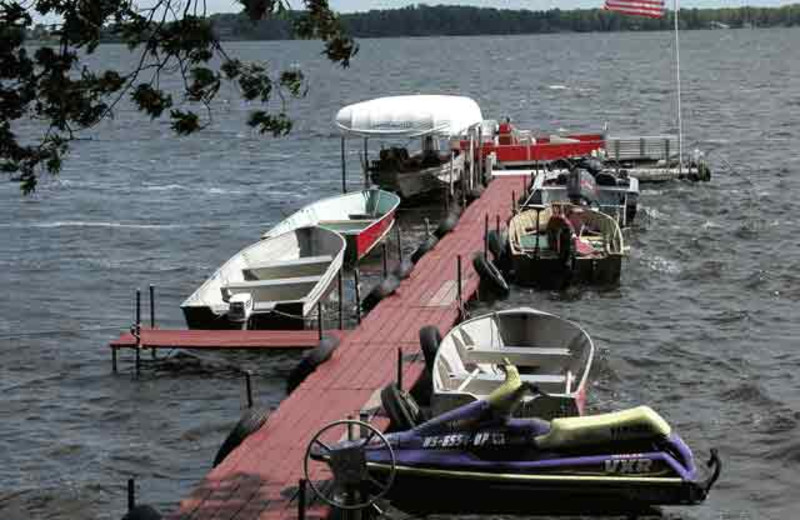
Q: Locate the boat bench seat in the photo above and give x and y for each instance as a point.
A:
(519, 356)
(305, 260)
(247, 285)
(554, 379)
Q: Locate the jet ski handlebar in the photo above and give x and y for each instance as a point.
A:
(715, 463)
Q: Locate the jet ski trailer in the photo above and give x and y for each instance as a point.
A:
(478, 459)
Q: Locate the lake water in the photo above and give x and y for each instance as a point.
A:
(703, 326)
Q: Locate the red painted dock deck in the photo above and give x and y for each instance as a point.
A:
(259, 479)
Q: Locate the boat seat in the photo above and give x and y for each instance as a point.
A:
(248, 285)
(536, 379)
(305, 260)
(519, 356)
(638, 423)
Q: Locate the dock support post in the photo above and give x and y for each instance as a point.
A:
(152, 316)
(460, 300)
(114, 360)
(344, 169)
(152, 307)
(366, 164)
(399, 243)
(320, 318)
(301, 499)
(358, 296)
(248, 388)
(131, 494)
(340, 280)
(385, 255)
(138, 330)
(399, 368)
(486, 237)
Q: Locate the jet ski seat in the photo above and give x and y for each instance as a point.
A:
(640, 423)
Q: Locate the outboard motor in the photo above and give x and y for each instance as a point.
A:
(240, 307)
(581, 187)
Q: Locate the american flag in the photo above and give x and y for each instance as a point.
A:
(649, 8)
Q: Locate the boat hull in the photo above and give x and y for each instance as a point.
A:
(553, 273)
(470, 494)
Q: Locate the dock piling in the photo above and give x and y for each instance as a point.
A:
(113, 360)
(399, 368)
(138, 330)
(320, 318)
(131, 494)
(385, 254)
(340, 280)
(248, 388)
(486, 237)
(399, 243)
(301, 499)
(358, 296)
(152, 316)
(458, 268)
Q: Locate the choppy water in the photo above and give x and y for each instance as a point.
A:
(703, 326)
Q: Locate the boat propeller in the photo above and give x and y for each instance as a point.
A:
(352, 482)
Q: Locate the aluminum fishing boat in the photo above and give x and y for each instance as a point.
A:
(364, 218)
(551, 352)
(554, 245)
(272, 284)
(589, 184)
(479, 459)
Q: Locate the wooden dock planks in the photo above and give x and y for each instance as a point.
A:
(259, 479)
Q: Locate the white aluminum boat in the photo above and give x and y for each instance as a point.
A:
(550, 352)
(274, 283)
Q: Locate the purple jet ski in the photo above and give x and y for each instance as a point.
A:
(478, 459)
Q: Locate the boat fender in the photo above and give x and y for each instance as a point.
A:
(142, 512)
(403, 269)
(426, 245)
(475, 193)
(401, 408)
(447, 225)
(429, 340)
(498, 243)
(251, 420)
(310, 361)
(387, 286)
(490, 275)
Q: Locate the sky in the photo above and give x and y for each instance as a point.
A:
(346, 6)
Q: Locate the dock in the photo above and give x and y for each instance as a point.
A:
(260, 478)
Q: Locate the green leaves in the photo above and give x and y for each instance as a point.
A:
(64, 95)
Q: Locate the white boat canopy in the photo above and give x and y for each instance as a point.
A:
(410, 116)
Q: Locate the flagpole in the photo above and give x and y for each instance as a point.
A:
(678, 77)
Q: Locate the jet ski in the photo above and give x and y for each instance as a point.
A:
(479, 459)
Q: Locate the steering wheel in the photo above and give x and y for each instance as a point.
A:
(355, 484)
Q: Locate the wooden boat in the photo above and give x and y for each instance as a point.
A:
(561, 243)
(550, 352)
(272, 284)
(364, 218)
(435, 120)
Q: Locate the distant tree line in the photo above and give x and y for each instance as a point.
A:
(424, 20)
(448, 20)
